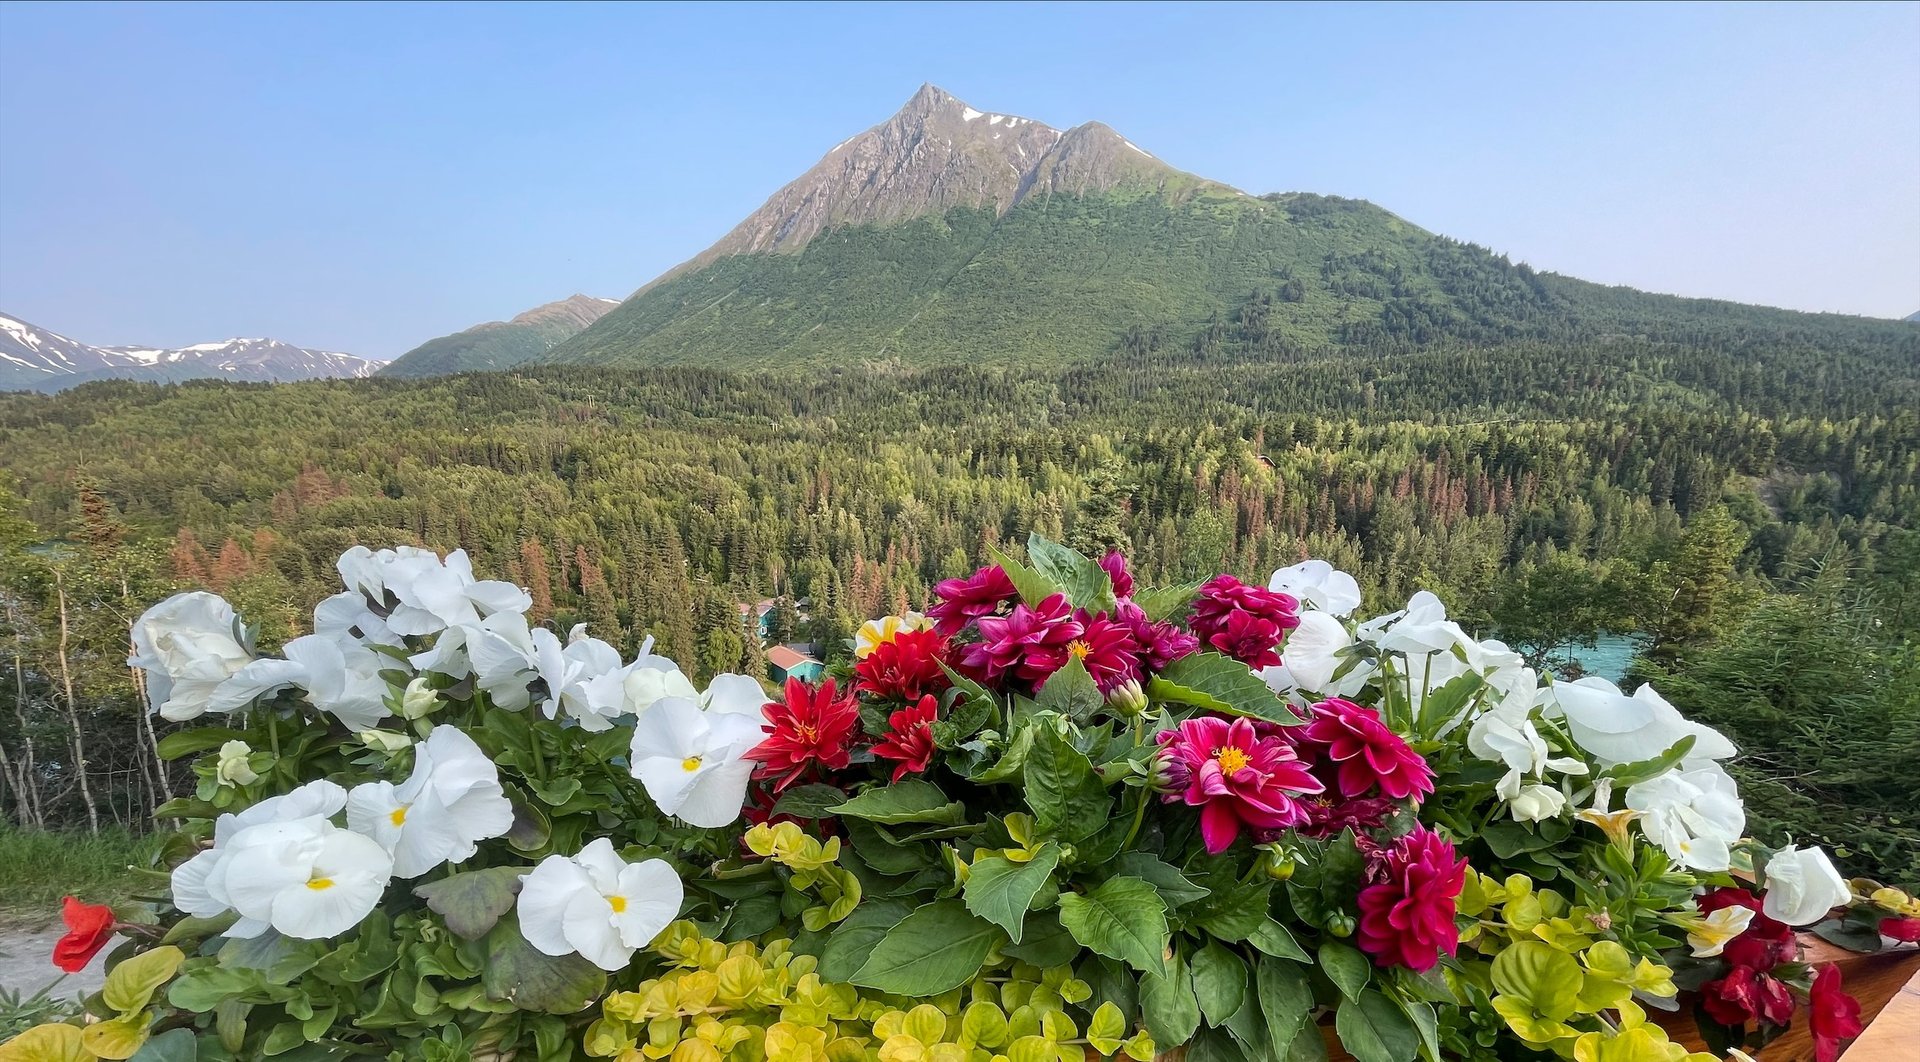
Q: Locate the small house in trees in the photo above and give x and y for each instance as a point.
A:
(758, 618)
(787, 662)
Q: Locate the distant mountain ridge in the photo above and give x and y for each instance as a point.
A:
(502, 344)
(951, 235)
(38, 359)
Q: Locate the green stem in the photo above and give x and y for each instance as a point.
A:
(1139, 816)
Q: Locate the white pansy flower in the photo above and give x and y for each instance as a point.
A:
(1535, 803)
(597, 905)
(1422, 628)
(736, 695)
(498, 653)
(692, 762)
(651, 679)
(419, 700)
(191, 879)
(1319, 584)
(424, 593)
(450, 803)
(1802, 886)
(232, 768)
(1709, 934)
(341, 678)
(1617, 728)
(1695, 814)
(307, 878)
(584, 678)
(1311, 655)
(190, 646)
(346, 617)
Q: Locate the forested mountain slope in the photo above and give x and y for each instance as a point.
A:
(502, 344)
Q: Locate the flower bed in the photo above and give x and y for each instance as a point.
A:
(1056, 816)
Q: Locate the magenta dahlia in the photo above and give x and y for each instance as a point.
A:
(1160, 643)
(1030, 644)
(1406, 919)
(1237, 777)
(1108, 649)
(1244, 622)
(961, 601)
(1115, 565)
(1365, 752)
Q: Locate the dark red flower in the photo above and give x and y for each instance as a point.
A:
(813, 725)
(1765, 944)
(1108, 649)
(1029, 644)
(1244, 622)
(1367, 751)
(1905, 930)
(1160, 643)
(961, 601)
(1327, 815)
(1407, 918)
(905, 667)
(910, 739)
(1115, 565)
(89, 927)
(1833, 1015)
(1747, 995)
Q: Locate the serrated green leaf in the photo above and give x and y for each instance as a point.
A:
(1373, 1029)
(909, 800)
(1219, 982)
(473, 901)
(1174, 886)
(1122, 919)
(1164, 603)
(1085, 583)
(1032, 586)
(1000, 890)
(1011, 762)
(1285, 1001)
(935, 949)
(1067, 797)
(1167, 1003)
(1345, 967)
(1227, 685)
(1273, 939)
(1070, 691)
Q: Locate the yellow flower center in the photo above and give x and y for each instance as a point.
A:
(398, 816)
(690, 764)
(1232, 760)
(809, 733)
(618, 903)
(1079, 649)
(320, 884)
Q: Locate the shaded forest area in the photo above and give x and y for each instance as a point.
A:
(1746, 514)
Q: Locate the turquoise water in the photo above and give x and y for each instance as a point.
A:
(1608, 659)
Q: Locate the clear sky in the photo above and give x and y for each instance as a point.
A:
(363, 178)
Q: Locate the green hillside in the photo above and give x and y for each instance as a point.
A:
(1209, 273)
(501, 344)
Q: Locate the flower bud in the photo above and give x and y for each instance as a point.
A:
(1128, 699)
(419, 700)
(233, 767)
(1340, 924)
(387, 741)
(1279, 863)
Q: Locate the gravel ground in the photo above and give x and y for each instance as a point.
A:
(26, 964)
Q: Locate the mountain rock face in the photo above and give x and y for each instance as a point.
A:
(502, 344)
(36, 359)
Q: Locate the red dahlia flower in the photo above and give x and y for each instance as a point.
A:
(1905, 930)
(961, 601)
(89, 927)
(1244, 622)
(1236, 776)
(1407, 918)
(1327, 817)
(1115, 564)
(1833, 1015)
(1108, 649)
(1367, 751)
(910, 739)
(904, 667)
(1160, 643)
(1746, 995)
(1030, 644)
(813, 725)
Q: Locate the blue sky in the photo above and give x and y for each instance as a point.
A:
(363, 178)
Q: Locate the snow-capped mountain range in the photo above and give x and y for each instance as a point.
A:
(35, 359)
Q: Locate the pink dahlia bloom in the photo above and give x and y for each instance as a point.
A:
(1115, 564)
(1244, 622)
(1406, 919)
(1029, 644)
(1108, 649)
(1366, 751)
(1160, 643)
(961, 601)
(1237, 777)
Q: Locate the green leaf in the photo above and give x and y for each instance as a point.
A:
(1044, 942)
(1168, 1005)
(1122, 919)
(1000, 890)
(1346, 967)
(1372, 1029)
(853, 939)
(1631, 774)
(910, 800)
(517, 973)
(198, 739)
(1163, 603)
(1228, 686)
(1032, 586)
(1067, 797)
(879, 851)
(1086, 584)
(1174, 887)
(1012, 761)
(813, 801)
(1071, 692)
(1273, 939)
(1162, 691)
(937, 948)
(1448, 701)
(132, 983)
(1219, 982)
(473, 901)
(1285, 1001)
(174, 1045)
(965, 718)
(1540, 976)
(1238, 913)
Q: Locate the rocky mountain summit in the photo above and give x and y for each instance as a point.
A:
(38, 359)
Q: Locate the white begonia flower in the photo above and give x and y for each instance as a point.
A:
(1536, 803)
(341, 678)
(1695, 814)
(1617, 728)
(190, 648)
(1421, 629)
(1319, 584)
(424, 593)
(1310, 656)
(585, 679)
(346, 617)
(449, 804)
(498, 653)
(307, 878)
(1709, 934)
(232, 767)
(597, 905)
(692, 762)
(1802, 886)
(192, 879)
(651, 679)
